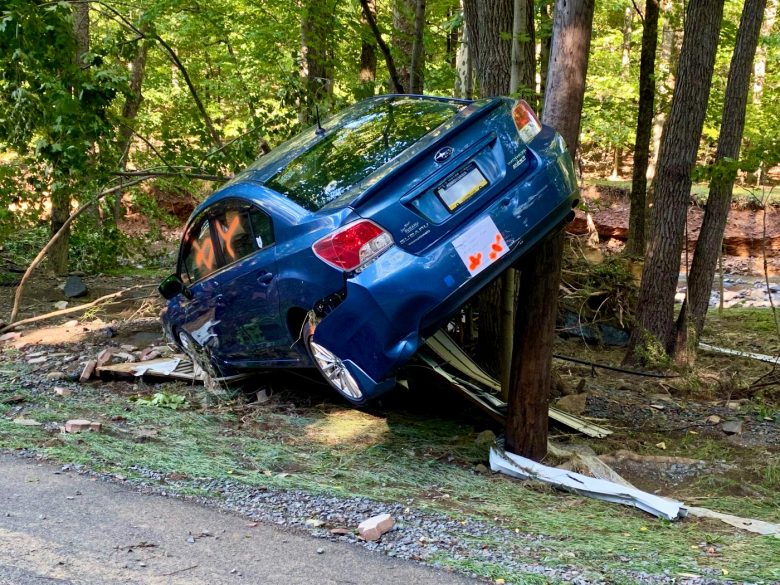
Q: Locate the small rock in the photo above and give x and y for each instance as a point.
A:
(55, 376)
(733, 405)
(74, 288)
(320, 551)
(191, 539)
(314, 523)
(59, 305)
(71, 323)
(732, 427)
(573, 404)
(27, 422)
(37, 360)
(373, 528)
(262, 396)
(340, 531)
(86, 373)
(481, 469)
(77, 426)
(713, 419)
(10, 336)
(485, 438)
(62, 391)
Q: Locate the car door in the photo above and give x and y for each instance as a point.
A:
(250, 327)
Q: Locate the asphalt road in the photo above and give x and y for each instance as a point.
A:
(63, 528)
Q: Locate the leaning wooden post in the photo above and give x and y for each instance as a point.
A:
(537, 302)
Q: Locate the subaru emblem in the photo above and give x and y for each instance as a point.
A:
(442, 154)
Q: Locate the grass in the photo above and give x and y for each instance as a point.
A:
(418, 458)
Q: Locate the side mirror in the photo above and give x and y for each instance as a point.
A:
(172, 286)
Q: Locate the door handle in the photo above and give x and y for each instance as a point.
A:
(264, 278)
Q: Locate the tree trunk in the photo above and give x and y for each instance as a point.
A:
(527, 418)
(655, 311)
(635, 246)
(671, 38)
(705, 257)
(367, 75)
(61, 194)
(130, 111)
(522, 80)
(403, 39)
(545, 24)
(489, 23)
(464, 63)
(759, 72)
(417, 66)
(316, 63)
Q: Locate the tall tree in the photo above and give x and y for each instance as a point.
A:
(417, 65)
(527, 419)
(317, 21)
(635, 246)
(490, 22)
(367, 74)
(705, 257)
(655, 311)
(395, 79)
(523, 73)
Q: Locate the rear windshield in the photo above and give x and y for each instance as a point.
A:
(349, 154)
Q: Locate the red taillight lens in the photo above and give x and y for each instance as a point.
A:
(353, 246)
(526, 122)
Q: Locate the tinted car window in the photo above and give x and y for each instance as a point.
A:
(350, 153)
(200, 259)
(241, 231)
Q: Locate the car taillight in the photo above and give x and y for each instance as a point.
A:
(352, 246)
(526, 122)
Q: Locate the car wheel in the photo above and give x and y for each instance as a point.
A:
(334, 370)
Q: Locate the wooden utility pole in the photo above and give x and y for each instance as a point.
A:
(526, 426)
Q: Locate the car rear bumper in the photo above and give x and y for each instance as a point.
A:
(399, 299)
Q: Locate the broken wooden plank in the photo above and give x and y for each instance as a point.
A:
(177, 367)
(474, 388)
(770, 359)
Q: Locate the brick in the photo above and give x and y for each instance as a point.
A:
(373, 528)
(88, 370)
(77, 426)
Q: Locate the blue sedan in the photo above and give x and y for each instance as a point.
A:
(345, 247)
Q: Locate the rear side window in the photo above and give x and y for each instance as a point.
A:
(360, 147)
(238, 230)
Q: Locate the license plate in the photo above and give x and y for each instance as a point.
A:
(461, 186)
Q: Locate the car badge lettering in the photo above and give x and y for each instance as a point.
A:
(443, 154)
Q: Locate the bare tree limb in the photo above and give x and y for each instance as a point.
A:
(173, 173)
(397, 87)
(42, 254)
(71, 310)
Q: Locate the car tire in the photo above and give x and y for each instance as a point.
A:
(333, 369)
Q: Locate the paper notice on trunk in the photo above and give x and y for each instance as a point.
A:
(480, 246)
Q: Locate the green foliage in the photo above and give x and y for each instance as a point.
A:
(651, 352)
(165, 400)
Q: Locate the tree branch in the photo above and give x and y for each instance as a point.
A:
(151, 174)
(397, 87)
(42, 254)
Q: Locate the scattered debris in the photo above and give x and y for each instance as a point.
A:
(732, 427)
(373, 528)
(88, 370)
(59, 306)
(81, 425)
(340, 531)
(178, 367)
(757, 526)
(573, 403)
(771, 359)
(74, 288)
(62, 391)
(14, 399)
(27, 422)
(520, 467)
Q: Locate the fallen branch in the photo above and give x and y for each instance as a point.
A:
(65, 226)
(149, 175)
(70, 310)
